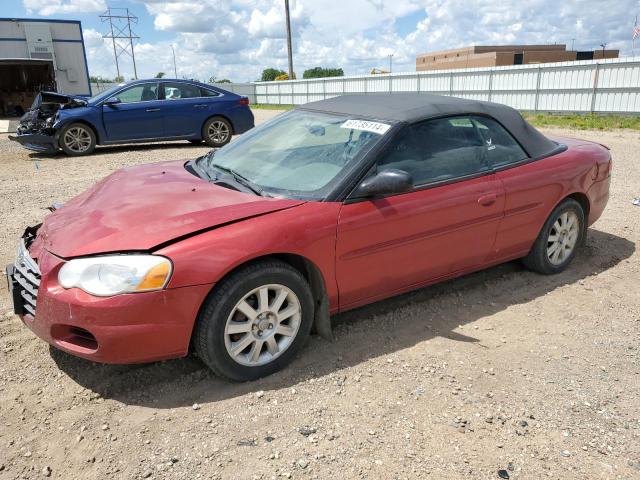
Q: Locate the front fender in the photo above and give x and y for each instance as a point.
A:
(307, 231)
(86, 115)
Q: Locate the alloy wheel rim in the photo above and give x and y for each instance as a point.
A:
(262, 325)
(218, 132)
(77, 139)
(563, 238)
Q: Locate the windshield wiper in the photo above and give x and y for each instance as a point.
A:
(199, 171)
(239, 178)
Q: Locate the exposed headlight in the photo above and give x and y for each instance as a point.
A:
(115, 274)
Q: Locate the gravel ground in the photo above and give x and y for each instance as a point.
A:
(500, 370)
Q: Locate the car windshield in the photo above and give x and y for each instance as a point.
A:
(299, 154)
(103, 95)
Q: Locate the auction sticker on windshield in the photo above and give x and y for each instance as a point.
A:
(367, 126)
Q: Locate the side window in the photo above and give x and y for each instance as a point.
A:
(501, 147)
(177, 91)
(204, 92)
(139, 93)
(438, 150)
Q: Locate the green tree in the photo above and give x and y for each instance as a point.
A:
(270, 74)
(99, 79)
(119, 79)
(159, 75)
(320, 72)
(213, 79)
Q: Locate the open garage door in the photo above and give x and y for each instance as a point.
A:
(21, 79)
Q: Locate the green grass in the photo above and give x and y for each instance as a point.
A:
(264, 106)
(584, 122)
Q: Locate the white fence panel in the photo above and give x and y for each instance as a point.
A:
(435, 83)
(585, 86)
(408, 83)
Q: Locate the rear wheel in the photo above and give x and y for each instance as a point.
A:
(216, 132)
(559, 239)
(255, 321)
(77, 139)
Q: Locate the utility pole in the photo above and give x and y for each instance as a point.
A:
(175, 70)
(390, 62)
(573, 41)
(286, 7)
(120, 20)
(603, 45)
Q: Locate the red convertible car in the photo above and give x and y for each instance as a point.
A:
(238, 254)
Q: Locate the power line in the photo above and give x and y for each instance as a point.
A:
(120, 20)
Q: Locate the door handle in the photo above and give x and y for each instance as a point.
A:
(487, 200)
(153, 110)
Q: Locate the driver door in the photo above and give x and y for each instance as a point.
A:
(138, 116)
(446, 224)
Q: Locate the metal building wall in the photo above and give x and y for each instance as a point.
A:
(72, 75)
(603, 86)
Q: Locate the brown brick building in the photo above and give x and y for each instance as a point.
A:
(501, 55)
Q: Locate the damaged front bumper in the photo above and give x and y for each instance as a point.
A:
(37, 142)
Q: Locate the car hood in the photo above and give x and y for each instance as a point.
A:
(139, 208)
(68, 101)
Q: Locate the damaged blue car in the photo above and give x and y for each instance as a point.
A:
(139, 111)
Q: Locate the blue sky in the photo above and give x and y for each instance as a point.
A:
(236, 39)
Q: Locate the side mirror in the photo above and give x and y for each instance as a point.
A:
(386, 182)
(112, 101)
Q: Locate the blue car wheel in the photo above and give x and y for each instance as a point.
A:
(216, 132)
(77, 139)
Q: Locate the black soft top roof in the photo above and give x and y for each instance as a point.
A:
(412, 107)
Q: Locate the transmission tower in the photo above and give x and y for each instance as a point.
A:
(120, 33)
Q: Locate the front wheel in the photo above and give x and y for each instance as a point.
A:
(216, 132)
(559, 239)
(77, 139)
(254, 322)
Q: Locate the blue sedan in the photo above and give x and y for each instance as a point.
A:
(137, 111)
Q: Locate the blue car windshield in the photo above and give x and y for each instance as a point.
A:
(299, 154)
(106, 94)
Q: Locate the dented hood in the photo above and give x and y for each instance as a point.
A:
(139, 208)
(44, 98)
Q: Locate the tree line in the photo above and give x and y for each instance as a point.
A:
(268, 75)
(274, 74)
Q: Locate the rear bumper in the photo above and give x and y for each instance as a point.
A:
(242, 118)
(38, 142)
(130, 328)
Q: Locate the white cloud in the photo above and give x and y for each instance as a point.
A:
(54, 7)
(238, 38)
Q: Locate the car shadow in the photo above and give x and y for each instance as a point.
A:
(433, 311)
(130, 147)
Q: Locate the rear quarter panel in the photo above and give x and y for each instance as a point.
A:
(534, 189)
(308, 230)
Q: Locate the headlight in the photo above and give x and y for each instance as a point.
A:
(115, 274)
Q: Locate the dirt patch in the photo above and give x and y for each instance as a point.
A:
(503, 369)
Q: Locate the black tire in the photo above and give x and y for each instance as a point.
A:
(538, 258)
(86, 139)
(209, 334)
(217, 132)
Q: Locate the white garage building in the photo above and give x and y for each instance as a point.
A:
(40, 55)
